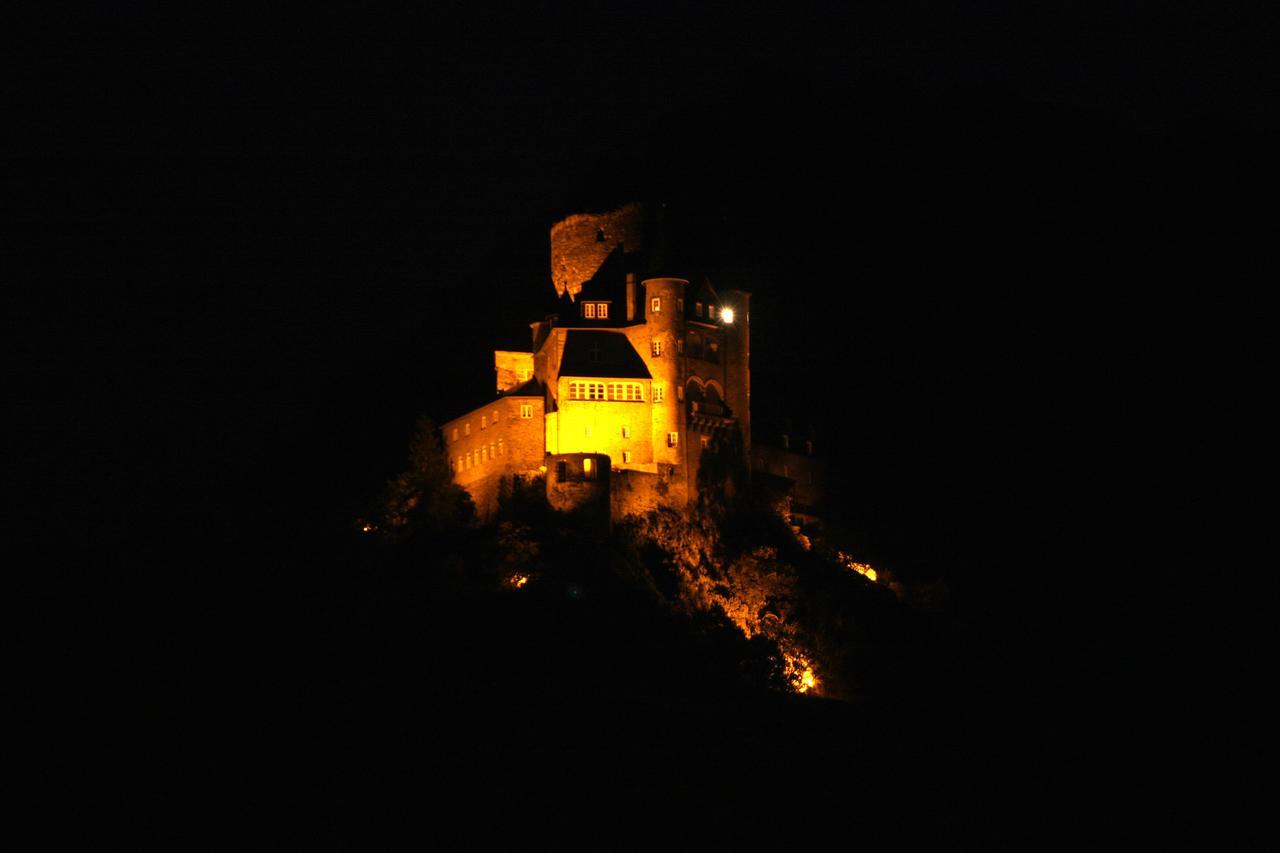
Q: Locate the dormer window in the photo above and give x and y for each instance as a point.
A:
(595, 310)
(589, 310)
(697, 308)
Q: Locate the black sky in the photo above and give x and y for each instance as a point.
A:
(247, 240)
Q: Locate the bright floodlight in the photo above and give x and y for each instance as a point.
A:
(726, 314)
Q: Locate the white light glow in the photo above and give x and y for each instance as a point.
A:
(726, 314)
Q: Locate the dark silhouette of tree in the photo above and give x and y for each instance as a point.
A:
(424, 499)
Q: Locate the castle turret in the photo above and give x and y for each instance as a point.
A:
(736, 322)
(663, 330)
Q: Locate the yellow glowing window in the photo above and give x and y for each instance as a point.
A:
(493, 451)
(602, 311)
(484, 422)
(466, 428)
(586, 391)
(631, 392)
(484, 453)
(626, 456)
(655, 304)
(626, 431)
(589, 310)
(500, 446)
(697, 308)
(468, 458)
(586, 466)
(673, 439)
(659, 393)
(711, 311)
(526, 410)
(656, 346)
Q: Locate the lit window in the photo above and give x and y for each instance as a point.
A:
(495, 416)
(493, 451)
(455, 433)
(484, 422)
(632, 392)
(680, 393)
(589, 310)
(726, 314)
(500, 446)
(656, 346)
(526, 410)
(659, 393)
(484, 453)
(711, 311)
(680, 347)
(626, 431)
(706, 442)
(626, 456)
(466, 428)
(586, 467)
(697, 308)
(655, 304)
(673, 439)
(602, 310)
(468, 458)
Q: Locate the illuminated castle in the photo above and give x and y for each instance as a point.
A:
(626, 383)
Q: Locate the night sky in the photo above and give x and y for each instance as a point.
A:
(246, 250)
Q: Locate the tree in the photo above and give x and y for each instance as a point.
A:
(425, 499)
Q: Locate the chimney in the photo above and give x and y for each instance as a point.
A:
(631, 296)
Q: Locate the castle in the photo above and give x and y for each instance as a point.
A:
(626, 383)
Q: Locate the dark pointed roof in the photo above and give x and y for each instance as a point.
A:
(590, 352)
(530, 388)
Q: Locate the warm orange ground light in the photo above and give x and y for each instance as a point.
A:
(799, 673)
(863, 569)
(518, 581)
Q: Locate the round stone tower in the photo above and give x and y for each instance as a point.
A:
(580, 244)
(663, 307)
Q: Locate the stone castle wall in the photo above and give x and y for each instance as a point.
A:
(494, 442)
(580, 244)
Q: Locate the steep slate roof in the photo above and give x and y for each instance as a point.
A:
(588, 352)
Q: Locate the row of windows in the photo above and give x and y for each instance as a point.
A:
(595, 310)
(484, 454)
(526, 412)
(632, 392)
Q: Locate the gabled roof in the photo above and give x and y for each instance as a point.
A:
(591, 352)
